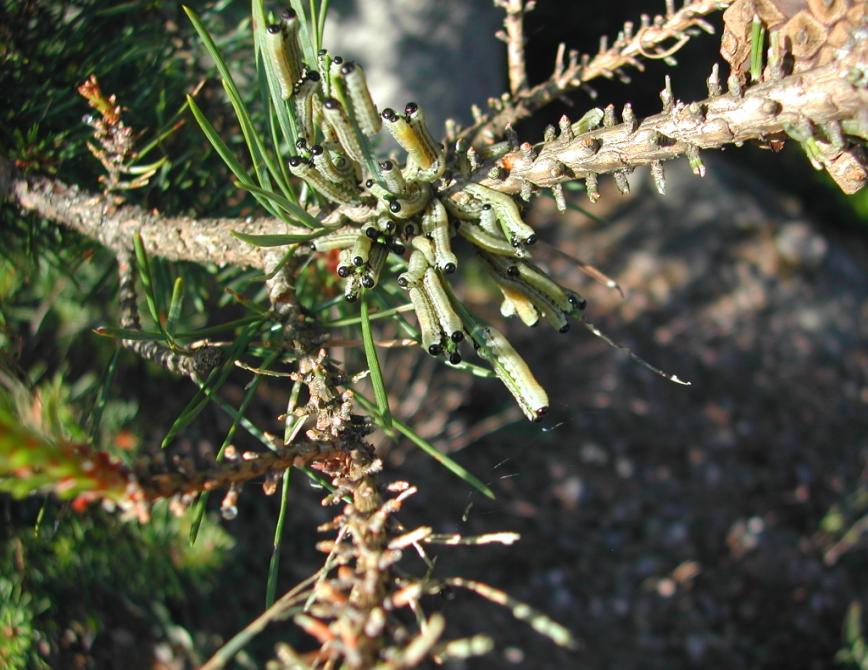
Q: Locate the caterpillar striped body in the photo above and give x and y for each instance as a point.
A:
(363, 109)
(430, 330)
(512, 370)
(342, 238)
(424, 245)
(336, 116)
(449, 321)
(474, 234)
(303, 96)
(416, 118)
(435, 224)
(329, 168)
(392, 178)
(376, 261)
(506, 275)
(341, 193)
(281, 49)
(361, 250)
(416, 267)
(418, 151)
(507, 213)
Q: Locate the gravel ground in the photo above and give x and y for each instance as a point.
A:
(672, 526)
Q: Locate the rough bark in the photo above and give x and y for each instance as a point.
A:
(174, 238)
(824, 95)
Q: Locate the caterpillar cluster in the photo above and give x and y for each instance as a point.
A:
(400, 209)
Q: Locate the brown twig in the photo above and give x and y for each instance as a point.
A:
(572, 70)
(513, 35)
(251, 465)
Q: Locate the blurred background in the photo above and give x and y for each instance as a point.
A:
(717, 525)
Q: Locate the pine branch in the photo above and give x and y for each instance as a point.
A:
(174, 238)
(628, 48)
(823, 97)
(251, 466)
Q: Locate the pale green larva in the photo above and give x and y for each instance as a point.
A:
(392, 178)
(507, 213)
(544, 285)
(428, 325)
(450, 323)
(487, 242)
(376, 261)
(416, 267)
(424, 245)
(337, 118)
(341, 193)
(361, 250)
(363, 109)
(462, 205)
(429, 174)
(488, 222)
(506, 274)
(413, 114)
(337, 171)
(418, 151)
(280, 48)
(343, 238)
(302, 99)
(345, 264)
(512, 370)
(435, 224)
(413, 201)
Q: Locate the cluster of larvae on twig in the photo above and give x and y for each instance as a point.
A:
(382, 208)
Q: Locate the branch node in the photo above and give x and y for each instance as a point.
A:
(733, 84)
(695, 160)
(666, 96)
(713, 82)
(560, 201)
(591, 187)
(659, 177)
(622, 182)
(566, 128)
(629, 117)
(609, 118)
